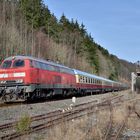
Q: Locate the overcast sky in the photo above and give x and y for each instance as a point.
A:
(114, 24)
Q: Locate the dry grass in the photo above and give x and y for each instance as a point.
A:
(87, 128)
(67, 131)
(134, 121)
(93, 127)
(81, 129)
(119, 115)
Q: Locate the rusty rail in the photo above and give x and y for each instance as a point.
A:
(56, 117)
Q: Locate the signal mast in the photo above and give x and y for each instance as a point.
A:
(135, 77)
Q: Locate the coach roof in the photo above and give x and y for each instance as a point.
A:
(78, 72)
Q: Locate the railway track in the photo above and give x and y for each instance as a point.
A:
(137, 113)
(114, 132)
(56, 117)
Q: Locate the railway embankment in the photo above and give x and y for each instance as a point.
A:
(104, 116)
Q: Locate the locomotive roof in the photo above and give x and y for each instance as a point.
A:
(37, 59)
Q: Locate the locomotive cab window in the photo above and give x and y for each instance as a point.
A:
(18, 63)
(6, 64)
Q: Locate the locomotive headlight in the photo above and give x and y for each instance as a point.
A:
(19, 81)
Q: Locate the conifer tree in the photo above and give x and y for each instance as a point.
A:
(32, 10)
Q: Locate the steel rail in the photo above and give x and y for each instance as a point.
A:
(58, 116)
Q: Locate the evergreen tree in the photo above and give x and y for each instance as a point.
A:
(45, 15)
(32, 10)
(64, 22)
(52, 26)
(90, 48)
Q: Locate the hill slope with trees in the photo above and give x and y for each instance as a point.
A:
(28, 27)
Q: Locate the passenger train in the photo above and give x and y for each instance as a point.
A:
(28, 78)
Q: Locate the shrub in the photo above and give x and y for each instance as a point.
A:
(23, 124)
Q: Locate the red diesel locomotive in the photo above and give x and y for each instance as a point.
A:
(25, 77)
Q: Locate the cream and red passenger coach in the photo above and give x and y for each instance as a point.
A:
(24, 77)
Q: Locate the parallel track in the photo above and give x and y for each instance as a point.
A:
(110, 134)
(57, 117)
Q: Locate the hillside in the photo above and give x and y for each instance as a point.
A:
(29, 29)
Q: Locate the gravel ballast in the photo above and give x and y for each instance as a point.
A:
(14, 113)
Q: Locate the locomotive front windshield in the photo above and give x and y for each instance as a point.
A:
(18, 63)
(12, 64)
(6, 64)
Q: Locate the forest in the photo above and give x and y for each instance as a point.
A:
(28, 27)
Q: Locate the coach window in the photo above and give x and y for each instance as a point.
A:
(89, 80)
(18, 63)
(96, 81)
(92, 80)
(86, 79)
(82, 79)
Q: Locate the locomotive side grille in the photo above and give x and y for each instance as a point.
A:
(11, 82)
(7, 82)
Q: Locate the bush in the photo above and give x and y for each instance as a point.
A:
(23, 124)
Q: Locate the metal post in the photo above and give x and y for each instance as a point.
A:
(133, 81)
